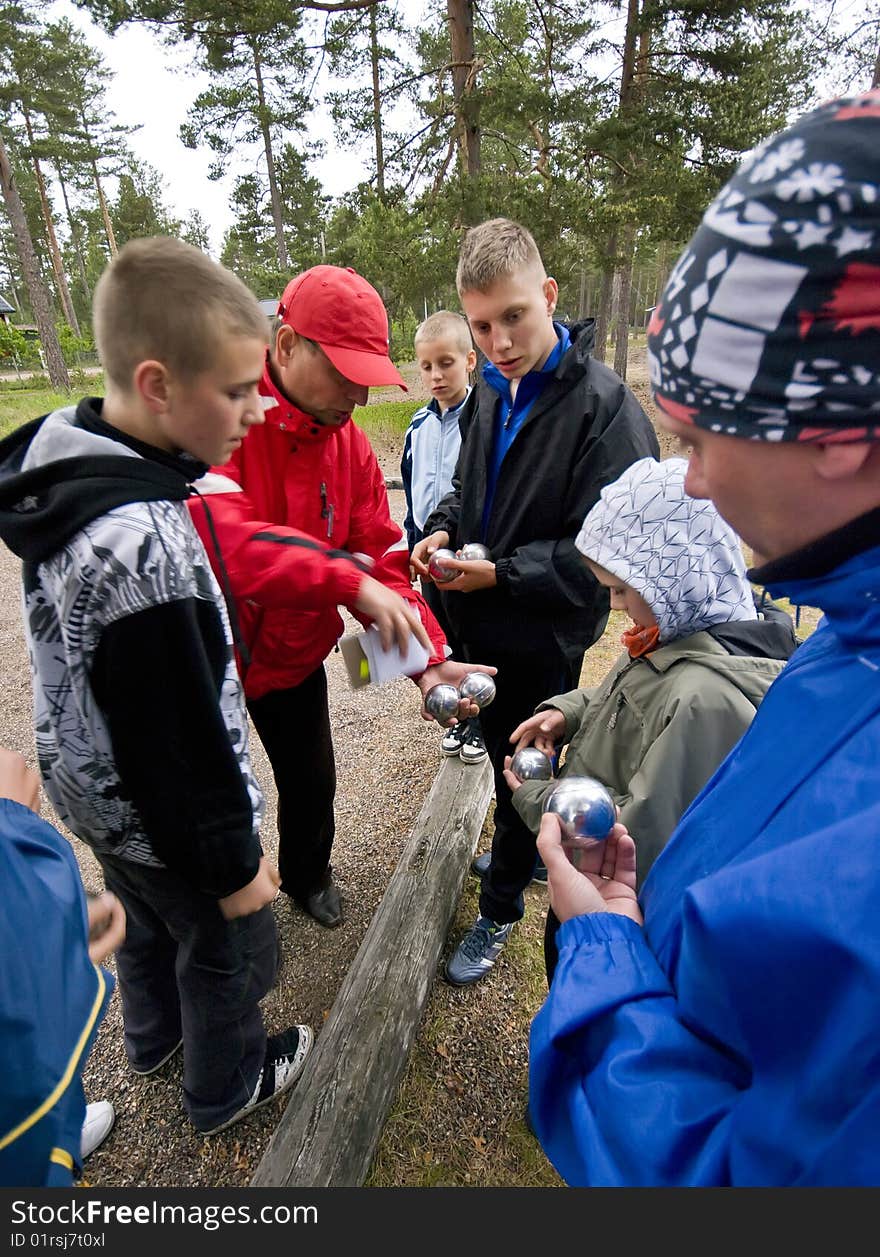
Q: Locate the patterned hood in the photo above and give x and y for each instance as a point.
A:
(675, 551)
(63, 470)
(769, 326)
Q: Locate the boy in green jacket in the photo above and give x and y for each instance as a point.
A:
(699, 658)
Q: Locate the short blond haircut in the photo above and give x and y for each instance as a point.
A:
(493, 250)
(165, 300)
(446, 324)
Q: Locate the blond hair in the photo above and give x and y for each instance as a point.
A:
(493, 250)
(445, 323)
(163, 299)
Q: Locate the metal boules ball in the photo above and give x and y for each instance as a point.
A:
(441, 702)
(473, 550)
(530, 764)
(585, 809)
(440, 573)
(478, 687)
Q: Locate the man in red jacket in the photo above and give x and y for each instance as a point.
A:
(298, 524)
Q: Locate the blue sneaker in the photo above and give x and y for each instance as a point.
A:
(477, 952)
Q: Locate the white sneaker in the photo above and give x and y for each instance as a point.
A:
(285, 1057)
(473, 748)
(100, 1117)
(450, 743)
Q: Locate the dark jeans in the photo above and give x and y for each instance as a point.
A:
(433, 598)
(185, 971)
(294, 728)
(523, 681)
(551, 951)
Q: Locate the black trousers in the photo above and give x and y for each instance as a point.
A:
(294, 728)
(432, 597)
(185, 971)
(551, 951)
(523, 681)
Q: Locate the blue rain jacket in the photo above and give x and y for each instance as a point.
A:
(735, 1040)
(51, 1000)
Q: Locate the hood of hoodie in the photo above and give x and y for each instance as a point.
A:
(676, 551)
(64, 469)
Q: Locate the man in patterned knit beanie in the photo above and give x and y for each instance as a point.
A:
(721, 1029)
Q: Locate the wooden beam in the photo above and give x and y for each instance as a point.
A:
(329, 1132)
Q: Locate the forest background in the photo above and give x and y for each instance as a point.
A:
(605, 127)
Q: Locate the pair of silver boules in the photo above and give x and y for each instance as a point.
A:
(441, 701)
(585, 809)
(441, 573)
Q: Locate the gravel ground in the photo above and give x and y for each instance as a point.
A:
(386, 759)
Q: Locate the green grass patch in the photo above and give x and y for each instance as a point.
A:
(386, 420)
(23, 400)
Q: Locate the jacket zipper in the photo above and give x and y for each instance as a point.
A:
(326, 509)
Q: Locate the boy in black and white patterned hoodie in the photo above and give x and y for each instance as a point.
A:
(141, 727)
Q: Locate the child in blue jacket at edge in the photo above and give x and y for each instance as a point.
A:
(722, 1028)
(53, 995)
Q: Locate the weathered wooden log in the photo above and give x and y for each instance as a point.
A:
(329, 1132)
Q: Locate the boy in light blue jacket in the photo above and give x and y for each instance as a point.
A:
(446, 358)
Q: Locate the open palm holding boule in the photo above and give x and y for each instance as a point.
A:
(603, 881)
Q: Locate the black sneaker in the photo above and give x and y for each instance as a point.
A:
(452, 739)
(285, 1057)
(473, 748)
(477, 952)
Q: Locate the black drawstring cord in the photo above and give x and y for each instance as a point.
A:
(225, 586)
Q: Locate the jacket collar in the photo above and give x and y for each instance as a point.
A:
(821, 557)
(286, 416)
(840, 574)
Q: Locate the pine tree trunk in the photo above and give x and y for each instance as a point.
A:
(464, 71)
(16, 297)
(603, 309)
(105, 211)
(75, 237)
(102, 200)
(377, 107)
(274, 197)
(623, 289)
(51, 237)
(39, 298)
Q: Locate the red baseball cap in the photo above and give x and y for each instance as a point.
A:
(337, 309)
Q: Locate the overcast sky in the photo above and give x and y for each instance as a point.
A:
(154, 87)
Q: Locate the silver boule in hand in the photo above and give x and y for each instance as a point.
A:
(530, 764)
(478, 687)
(440, 573)
(473, 550)
(585, 809)
(441, 702)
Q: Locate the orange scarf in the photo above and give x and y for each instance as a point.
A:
(639, 640)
